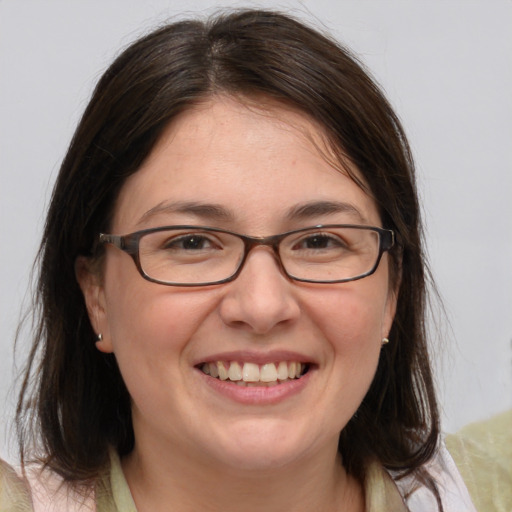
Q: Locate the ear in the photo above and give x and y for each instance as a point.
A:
(389, 312)
(88, 276)
(391, 303)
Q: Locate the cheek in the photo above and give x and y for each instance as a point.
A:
(151, 336)
(153, 323)
(135, 307)
(351, 317)
(148, 322)
(355, 342)
(151, 326)
(351, 320)
(349, 323)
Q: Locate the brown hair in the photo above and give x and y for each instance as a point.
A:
(80, 404)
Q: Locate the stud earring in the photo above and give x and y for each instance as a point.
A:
(385, 341)
(99, 337)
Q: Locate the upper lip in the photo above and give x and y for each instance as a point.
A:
(260, 358)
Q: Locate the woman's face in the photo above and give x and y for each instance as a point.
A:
(225, 165)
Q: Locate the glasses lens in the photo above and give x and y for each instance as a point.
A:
(183, 256)
(330, 253)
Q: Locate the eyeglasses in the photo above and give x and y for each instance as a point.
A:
(203, 256)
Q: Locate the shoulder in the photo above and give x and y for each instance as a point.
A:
(438, 479)
(14, 490)
(50, 493)
(482, 452)
(42, 490)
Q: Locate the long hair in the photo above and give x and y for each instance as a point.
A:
(73, 402)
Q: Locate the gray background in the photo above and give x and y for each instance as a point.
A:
(446, 67)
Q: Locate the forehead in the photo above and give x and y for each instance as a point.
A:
(214, 121)
(254, 160)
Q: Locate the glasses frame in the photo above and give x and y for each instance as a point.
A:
(129, 244)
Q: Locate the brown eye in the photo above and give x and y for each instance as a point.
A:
(189, 242)
(319, 241)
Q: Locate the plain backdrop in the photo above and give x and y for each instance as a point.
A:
(446, 68)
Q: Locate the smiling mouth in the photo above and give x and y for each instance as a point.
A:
(252, 374)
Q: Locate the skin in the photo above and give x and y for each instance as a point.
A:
(196, 447)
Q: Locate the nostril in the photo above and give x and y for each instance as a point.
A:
(259, 300)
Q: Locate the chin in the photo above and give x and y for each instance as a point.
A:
(255, 459)
(258, 446)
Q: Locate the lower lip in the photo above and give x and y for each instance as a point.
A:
(257, 395)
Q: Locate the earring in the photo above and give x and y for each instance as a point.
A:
(385, 341)
(99, 337)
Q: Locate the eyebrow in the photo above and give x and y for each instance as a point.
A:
(201, 210)
(216, 212)
(318, 208)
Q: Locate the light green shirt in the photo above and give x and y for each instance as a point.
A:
(483, 466)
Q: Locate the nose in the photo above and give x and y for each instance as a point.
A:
(261, 297)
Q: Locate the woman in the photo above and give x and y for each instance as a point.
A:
(232, 288)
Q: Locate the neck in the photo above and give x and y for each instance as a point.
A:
(316, 483)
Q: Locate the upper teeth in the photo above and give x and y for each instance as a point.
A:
(251, 372)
